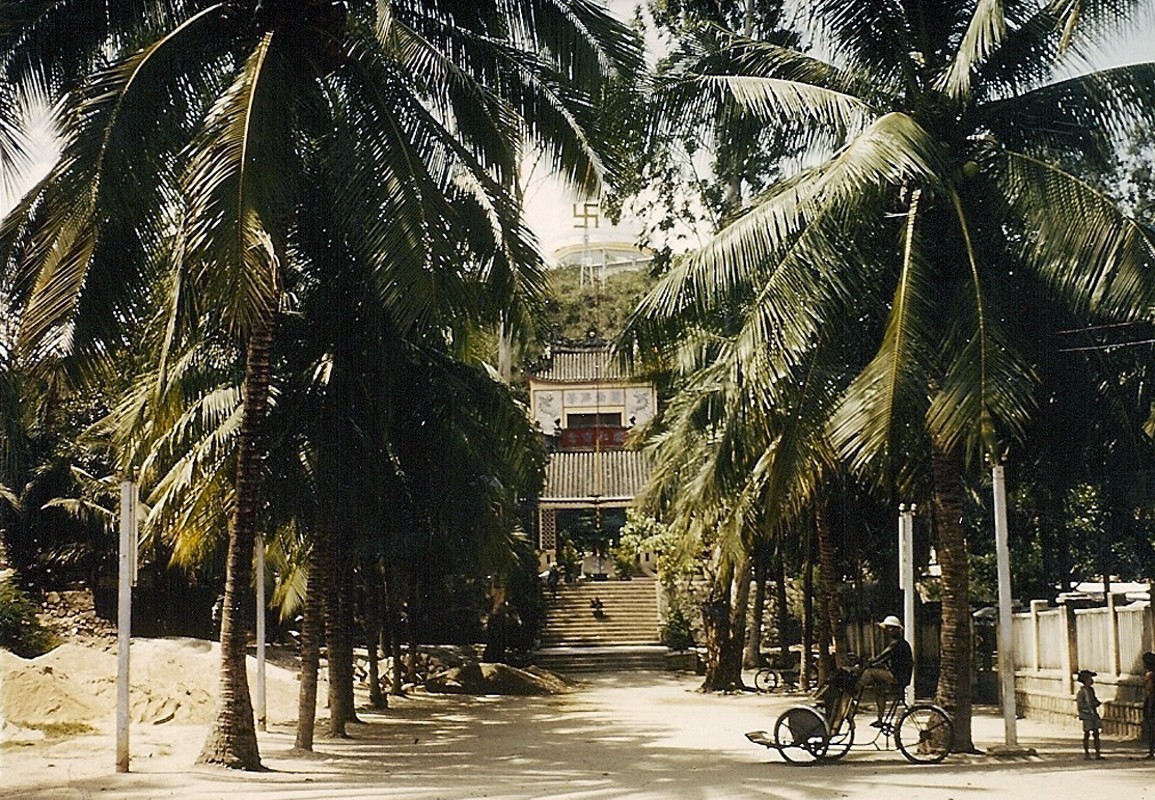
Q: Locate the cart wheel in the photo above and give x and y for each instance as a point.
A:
(800, 735)
(840, 741)
(766, 679)
(924, 734)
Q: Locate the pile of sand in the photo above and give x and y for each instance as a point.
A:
(175, 680)
(478, 678)
(172, 680)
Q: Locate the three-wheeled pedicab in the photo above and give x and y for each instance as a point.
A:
(826, 731)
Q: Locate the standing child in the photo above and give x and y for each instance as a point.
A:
(1149, 702)
(1088, 705)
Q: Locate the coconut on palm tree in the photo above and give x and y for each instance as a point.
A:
(937, 173)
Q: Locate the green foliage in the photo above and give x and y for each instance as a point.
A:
(643, 532)
(676, 631)
(625, 562)
(20, 630)
(677, 567)
(577, 311)
(570, 560)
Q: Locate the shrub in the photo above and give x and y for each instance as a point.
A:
(20, 630)
(676, 632)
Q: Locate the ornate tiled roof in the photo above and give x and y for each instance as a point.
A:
(580, 364)
(572, 478)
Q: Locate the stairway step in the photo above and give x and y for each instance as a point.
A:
(601, 659)
(574, 640)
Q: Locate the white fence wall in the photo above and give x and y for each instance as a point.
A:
(1051, 644)
(1052, 639)
(1135, 638)
(1094, 632)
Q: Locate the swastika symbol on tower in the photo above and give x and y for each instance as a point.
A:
(585, 213)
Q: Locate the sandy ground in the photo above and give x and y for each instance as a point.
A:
(637, 735)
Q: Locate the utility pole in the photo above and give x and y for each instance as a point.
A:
(906, 583)
(126, 579)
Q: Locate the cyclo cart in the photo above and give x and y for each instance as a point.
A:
(826, 730)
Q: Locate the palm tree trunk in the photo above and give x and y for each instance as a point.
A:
(411, 629)
(342, 709)
(805, 666)
(313, 619)
(827, 564)
(822, 634)
(724, 621)
(753, 656)
(335, 635)
(738, 615)
(393, 635)
(373, 591)
(955, 668)
(232, 739)
(781, 608)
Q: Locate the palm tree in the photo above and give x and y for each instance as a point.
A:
(937, 138)
(732, 466)
(188, 140)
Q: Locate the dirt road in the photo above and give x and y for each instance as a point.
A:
(638, 736)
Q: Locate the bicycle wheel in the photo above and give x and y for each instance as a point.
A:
(840, 741)
(924, 734)
(800, 735)
(766, 679)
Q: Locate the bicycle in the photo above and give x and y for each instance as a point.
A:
(805, 734)
(769, 678)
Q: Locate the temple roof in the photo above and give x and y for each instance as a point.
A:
(572, 478)
(580, 364)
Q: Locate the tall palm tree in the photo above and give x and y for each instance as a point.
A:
(938, 139)
(188, 133)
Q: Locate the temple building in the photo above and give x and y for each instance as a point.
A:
(586, 406)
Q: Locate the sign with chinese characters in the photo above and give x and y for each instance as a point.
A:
(589, 438)
(592, 398)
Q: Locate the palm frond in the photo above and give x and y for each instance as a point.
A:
(424, 193)
(100, 197)
(735, 264)
(872, 36)
(868, 427)
(985, 33)
(1086, 116)
(1096, 257)
(986, 391)
(720, 74)
(1041, 36)
(240, 171)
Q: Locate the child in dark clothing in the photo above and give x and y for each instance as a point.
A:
(1088, 705)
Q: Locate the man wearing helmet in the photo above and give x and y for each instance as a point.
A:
(890, 671)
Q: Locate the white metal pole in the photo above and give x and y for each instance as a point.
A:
(125, 570)
(260, 709)
(908, 593)
(1006, 641)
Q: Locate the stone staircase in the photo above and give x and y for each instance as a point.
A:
(624, 637)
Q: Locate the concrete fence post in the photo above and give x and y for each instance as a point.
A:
(1037, 606)
(1113, 630)
(1149, 616)
(1071, 651)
